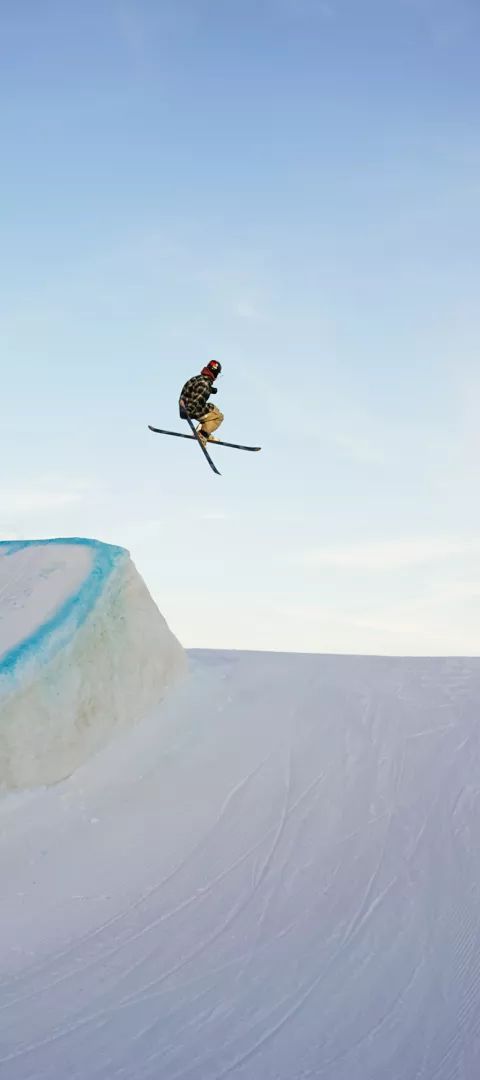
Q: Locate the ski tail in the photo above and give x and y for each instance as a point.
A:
(199, 441)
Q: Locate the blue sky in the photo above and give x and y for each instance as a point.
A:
(292, 187)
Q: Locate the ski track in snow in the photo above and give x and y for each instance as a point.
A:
(276, 876)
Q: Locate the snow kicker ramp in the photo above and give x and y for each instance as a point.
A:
(274, 877)
(83, 650)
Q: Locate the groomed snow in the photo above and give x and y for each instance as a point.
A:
(35, 581)
(84, 651)
(275, 876)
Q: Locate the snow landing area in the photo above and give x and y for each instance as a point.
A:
(275, 876)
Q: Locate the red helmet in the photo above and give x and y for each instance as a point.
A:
(212, 369)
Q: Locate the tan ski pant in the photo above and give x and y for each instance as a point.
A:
(211, 420)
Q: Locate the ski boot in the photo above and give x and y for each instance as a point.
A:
(204, 437)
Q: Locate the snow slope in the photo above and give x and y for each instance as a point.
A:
(83, 650)
(275, 876)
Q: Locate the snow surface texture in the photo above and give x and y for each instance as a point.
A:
(275, 876)
(83, 650)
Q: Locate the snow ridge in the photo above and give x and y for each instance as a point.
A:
(83, 651)
(49, 635)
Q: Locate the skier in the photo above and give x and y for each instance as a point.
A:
(194, 401)
(193, 405)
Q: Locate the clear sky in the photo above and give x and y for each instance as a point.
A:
(291, 187)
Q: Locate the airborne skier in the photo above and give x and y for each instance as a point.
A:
(193, 405)
(194, 402)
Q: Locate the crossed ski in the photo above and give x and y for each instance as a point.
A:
(194, 436)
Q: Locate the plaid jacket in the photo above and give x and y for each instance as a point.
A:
(195, 394)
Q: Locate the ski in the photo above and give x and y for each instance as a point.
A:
(199, 441)
(217, 442)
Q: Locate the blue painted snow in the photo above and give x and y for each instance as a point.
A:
(57, 631)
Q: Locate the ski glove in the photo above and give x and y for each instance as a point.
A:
(214, 390)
